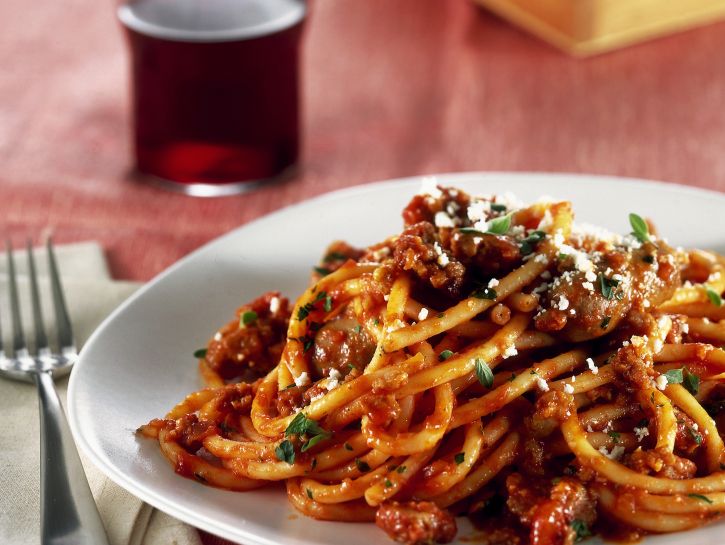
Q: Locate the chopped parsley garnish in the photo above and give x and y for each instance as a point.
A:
(643, 423)
(715, 297)
(528, 245)
(376, 321)
(496, 207)
(200, 477)
(605, 322)
(614, 435)
(362, 466)
(639, 228)
(581, 530)
(459, 458)
(309, 493)
(691, 382)
(387, 483)
(357, 329)
(201, 353)
(443, 356)
(607, 285)
(696, 437)
(334, 256)
(305, 309)
(496, 226)
(285, 452)
(674, 376)
(301, 425)
(401, 469)
(484, 373)
(649, 259)
(512, 377)
(327, 306)
(485, 293)
(700, 497)
(322, 271)
(347, 446)
(248, 317)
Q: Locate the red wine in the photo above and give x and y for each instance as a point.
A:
(215, 87)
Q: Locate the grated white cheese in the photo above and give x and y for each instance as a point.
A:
(334, 379)
(443, 220)
(592, 366)
(509, 352)
(423, 314)
(217, 336)
(616, 453)
(641, 433)
(568, 388)
(541, 384)
(546, 275)
(442, 256)
(590, 276)
(588, 286)
(303, 379)
(429, 186)
(478, 210)
(274, 305)
(685, 328)
(661, 382)
(563, 303)
(493, 283)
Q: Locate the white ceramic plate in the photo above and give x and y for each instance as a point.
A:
(139, 363)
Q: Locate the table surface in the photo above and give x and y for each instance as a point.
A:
(391, 88)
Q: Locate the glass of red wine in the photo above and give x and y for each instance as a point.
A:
(215, 91)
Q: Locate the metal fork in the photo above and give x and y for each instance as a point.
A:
(67, 511)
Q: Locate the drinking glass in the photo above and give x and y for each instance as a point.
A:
(215, 91)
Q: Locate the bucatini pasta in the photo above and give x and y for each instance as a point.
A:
(494, 360)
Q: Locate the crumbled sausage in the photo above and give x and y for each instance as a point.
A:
(341, 344)
(418, 250)
(250, 351)
(416, 523)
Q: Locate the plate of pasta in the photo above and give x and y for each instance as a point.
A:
(440, 359)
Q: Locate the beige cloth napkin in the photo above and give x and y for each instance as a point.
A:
(91, 295)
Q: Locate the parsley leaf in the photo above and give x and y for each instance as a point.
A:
(700, 497)
(615, 436)
(499, 226)
(606, 286)
(581, 529)
(443, 356)
(401, 469)
(309, 493)
(347, 446)
(485, 293)
(674, 376)
(322, 271)
(715, 297)
(484, 373)
(327, 306)
(692, 382)
(387, 483)
(301, 425)
(528, 245)
(285, 452)
(247, 318)
(496, 207)
(459, 458)
(605, 322)
(201, 353)
(639, 228)
(335, 256)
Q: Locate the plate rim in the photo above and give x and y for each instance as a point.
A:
(148, 495)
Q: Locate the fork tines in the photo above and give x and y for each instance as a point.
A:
(42, 356)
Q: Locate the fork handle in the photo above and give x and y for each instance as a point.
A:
(67, 511)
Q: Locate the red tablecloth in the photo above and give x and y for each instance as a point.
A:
(391, 88)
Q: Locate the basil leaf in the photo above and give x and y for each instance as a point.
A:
(484, 373)
(314, 440)
(301, 425)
